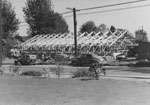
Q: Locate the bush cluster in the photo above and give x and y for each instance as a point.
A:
(32, 73)
(81, 72)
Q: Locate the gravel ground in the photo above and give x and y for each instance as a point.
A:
(78, 91)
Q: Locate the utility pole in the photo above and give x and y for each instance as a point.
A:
(75, 30)
(1, 33)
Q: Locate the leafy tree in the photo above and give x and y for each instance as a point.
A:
(10, 22)
(141, 35)
(102, 28)
(42, 19)
(61, 25)
(10, 25)
(89, 26)
(112, 29)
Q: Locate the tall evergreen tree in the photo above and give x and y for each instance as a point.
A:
(10, 25)
(42, 19)
(10, 22)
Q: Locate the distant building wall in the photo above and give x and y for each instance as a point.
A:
(144, 50)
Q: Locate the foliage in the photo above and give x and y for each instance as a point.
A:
(10, 22)
(19, 38)
(9, 43)
(10, 25)
(102, 28)
(60, 24)
(81, 72)
(141, 35)
(112, 29)
(60, 60)
(42, 19)
(31, 73)
(57, 70)
(89, 26)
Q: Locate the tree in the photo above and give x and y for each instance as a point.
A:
(112, 29)
(10, 25)
(141, 35)
(61, 25)
(10, 22)
(102, 28)
(89, 26)
(19, 38)
(42, 19)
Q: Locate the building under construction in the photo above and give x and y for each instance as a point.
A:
(103, 43)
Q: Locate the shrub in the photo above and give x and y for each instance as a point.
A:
(57, 70)
(32, 73)
(81, 72)
(14, 69)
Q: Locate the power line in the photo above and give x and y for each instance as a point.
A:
(111, 5)
(112, 10)
(66, 12)
(104, 6)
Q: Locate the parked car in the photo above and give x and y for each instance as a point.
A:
(86, 59)
(121, 57)
(23, 60)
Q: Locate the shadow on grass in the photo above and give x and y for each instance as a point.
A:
(88, 79)
(85, 79)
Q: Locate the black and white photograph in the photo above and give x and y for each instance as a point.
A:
(74, 52)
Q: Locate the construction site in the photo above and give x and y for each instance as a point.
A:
(104, 44)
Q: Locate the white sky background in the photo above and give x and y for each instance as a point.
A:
(131, 19)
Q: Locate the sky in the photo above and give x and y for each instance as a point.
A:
(130, 19)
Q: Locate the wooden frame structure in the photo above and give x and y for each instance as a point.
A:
(102, 43)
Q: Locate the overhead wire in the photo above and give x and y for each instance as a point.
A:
(65, 12)
(112, 10)
(111, 5)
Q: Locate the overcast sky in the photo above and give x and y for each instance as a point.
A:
(131, 19)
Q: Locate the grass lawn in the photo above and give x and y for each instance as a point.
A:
(35, 91)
